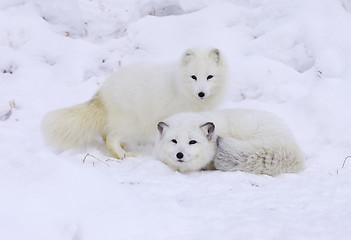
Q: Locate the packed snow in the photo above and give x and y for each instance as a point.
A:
(292, 58)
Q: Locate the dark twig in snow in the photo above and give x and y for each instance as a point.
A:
(343, 165)
(113, 160)
(88, 154)
(8, 112)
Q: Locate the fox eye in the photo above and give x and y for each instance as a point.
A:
(209, 77)
(194, 77)
(192, 142)
(174, 141)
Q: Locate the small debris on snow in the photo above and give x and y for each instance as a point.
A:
(6, 110)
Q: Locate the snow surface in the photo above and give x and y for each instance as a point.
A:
(289, 57)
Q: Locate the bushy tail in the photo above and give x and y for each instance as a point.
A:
(74, 126)
(261, 156)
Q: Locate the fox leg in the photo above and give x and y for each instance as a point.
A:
(113, 144)
(104, 139)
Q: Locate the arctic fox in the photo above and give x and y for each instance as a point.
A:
(229, 140)
(132, 101)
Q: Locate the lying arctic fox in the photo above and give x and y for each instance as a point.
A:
(133, 100)
(230, 139)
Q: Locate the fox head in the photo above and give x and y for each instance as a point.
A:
(203, 73)
(186, 144)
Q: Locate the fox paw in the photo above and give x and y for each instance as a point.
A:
(116, 148)
(122, 155)
(128, 154)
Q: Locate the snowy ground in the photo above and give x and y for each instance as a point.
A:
(289, 57)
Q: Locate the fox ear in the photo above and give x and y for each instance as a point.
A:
(215, 55)
(208, 129)
(187, 56)
(161, 126)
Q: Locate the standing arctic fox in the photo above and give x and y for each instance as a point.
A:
(231, 140)
(134, 99)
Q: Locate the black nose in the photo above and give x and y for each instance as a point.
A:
(180, 155)
(201, 94)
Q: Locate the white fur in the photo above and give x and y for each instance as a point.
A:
(244, 140)
(183, 128)
(133, 100)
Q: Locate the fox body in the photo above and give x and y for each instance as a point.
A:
(229, 140)
(132, 101)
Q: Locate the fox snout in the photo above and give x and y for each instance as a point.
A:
(201, 95)
(180, 157)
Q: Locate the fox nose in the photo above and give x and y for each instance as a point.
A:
(180, 155)
(201, 94)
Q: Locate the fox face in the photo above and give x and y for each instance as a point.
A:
(186, 147)
(203, 72)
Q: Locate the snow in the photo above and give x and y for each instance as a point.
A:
(292, 58)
